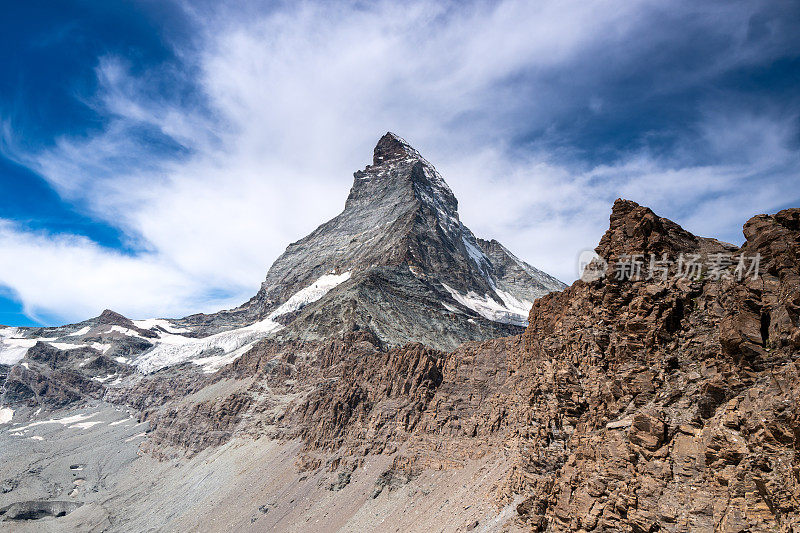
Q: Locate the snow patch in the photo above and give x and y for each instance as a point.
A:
(12, 346)
(174, 349)
(102, 348)
(510, 311)
(6, 414)
(65, 345)
(124, 331)
(310, 294)
(216, 351)
(83, 331)
(66, 421)
(474, 253)
(150, 323)
(517, 306)
(477, 256)
(450, 307)
(84, 425)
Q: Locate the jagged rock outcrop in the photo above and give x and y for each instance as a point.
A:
(674, 412)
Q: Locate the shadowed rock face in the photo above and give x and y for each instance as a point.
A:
(34, 510)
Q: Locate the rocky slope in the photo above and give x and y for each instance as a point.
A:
(629, 403)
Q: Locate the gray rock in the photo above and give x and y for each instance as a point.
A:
(401, 240)
(342, 480)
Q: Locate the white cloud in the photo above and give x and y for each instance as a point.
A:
(73, 277)
(291, 102)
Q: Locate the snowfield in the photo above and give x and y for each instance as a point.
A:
(172, 347)
(218, 350)
(151, 323)
(83, 331)
(12, 347)
(6, 414)
(510, 311)
(209, 352)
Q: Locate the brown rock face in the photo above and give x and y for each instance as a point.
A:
(669, 387)
(627, 405)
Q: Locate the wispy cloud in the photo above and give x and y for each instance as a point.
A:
(211, 184)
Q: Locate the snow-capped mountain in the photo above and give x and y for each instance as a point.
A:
(397, 262)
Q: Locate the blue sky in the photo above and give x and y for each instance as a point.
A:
(156, 157)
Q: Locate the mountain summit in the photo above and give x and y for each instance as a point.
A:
(400, 263)
(396, 263)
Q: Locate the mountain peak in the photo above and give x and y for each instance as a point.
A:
(399, 176)
(392, 147)
(405, 252)
(113, 318)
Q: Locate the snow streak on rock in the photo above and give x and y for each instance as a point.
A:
(215, 351)
(310, 294)
(510, 311)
